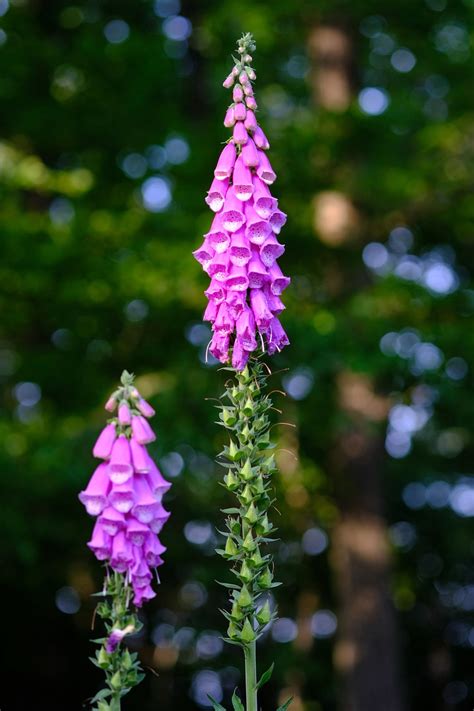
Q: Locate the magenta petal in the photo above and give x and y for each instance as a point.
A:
(260, 139)
(224, 322)
(210, 312)
(245, 328)
(250, 154)
(263, 315)
(226, 162)
(240, 134)
(124, 414)
(228, 81)
(275, 304)
(250, 122)
(145, 502)
(215, 292)
(250, 102)
(137, 532)
(140, 457)
(219, 266)
(122, 497)
(217, 238)
(145, 408)
(240, 249)
(236, 301)
(160, 518)
(142, 430)
(279, 281)
(257, 230)
(159, 485)
(94, 496)
(120, 467)
(143, 595)
(112, 520)
(232, 215)
(237, 93)
(257, 273)
(229, 119)
(216, 194)
(240, 112)
(121, 557)
(263, 201)
(265, 170)
(242, 180)
(204, 254)
(103, 445)
(239, 355)
(270, 250)
(100, 543)
(219, 346)
(277, 220)
(111, 404)
(153, 550)
(237, 279)
(277, 338)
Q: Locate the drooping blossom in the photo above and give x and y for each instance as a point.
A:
(125, 494)
(241, 249)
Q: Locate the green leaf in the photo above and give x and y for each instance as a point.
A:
(265, 677)
(102, 694)
(236, 702)
(285, 705)
(215, 704)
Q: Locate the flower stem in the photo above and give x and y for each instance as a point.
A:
(250, 654)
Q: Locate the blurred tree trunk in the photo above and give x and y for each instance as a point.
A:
(366, 652)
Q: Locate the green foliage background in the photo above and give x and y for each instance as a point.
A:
(77, 247)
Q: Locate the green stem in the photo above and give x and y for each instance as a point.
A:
(250, 653)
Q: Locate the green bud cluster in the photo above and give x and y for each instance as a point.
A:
(250, 463)
(122, 669)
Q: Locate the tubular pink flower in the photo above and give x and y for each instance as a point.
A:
(275, 304)
(121, 497)
(94, 496)
(229, 119)
(250, 154)
(137, 532)
(242, 180)
(240, 249)
(216, 194)
(122, 556)
(120, 466)
(246, 330)
(158, 484)
(232, 215)
(217, 238)
(111, 404)
(237, 93)
(239, 355)
(141, 574)
(219, 346)
(250, 102)
(100, 543)
(159, 519)
(228, 81)
(270, 250)
(210, 312)
(103, 445)
(279, 281)
(240, 112)
(278, 338)
(257, 273)
(204, 254)
(261, 141)
(112, 521)
(218, 267)
(215, 292)
(124, 414)
(237, 279)
(153, 549)
(224, 323)
(277, 220)
(264, 203)
(141, 460)
(143, 595)
(263, 315)
(257, 230)
(236, 301)
(250, 122)
(142, 430)
(145, 503)
(265, 171)
(240, 134)
(226, 161)
(145, 408)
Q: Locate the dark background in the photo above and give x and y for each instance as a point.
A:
(110, 126)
